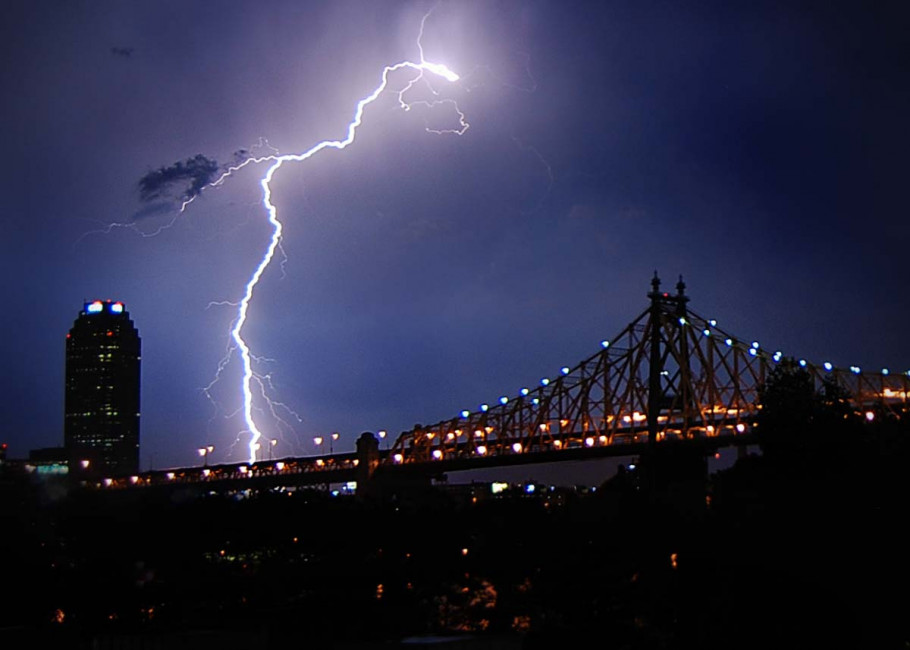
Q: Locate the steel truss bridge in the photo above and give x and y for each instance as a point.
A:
(670, 374)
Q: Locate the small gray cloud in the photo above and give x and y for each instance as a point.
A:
(184, 179)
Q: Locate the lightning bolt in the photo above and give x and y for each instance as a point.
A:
(422, 68)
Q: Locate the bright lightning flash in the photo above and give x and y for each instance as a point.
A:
(421, 67)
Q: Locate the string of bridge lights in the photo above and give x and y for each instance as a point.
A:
(754, 349)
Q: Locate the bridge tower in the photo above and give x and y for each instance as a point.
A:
(667, 316)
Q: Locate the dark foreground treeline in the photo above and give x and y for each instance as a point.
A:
(804, 548)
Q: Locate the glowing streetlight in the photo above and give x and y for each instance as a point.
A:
(272, 443)
(334, 437)
(318, 442)
(382, 435)
(204, 453)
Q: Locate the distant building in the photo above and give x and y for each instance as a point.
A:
(49, 460)
(101, 403)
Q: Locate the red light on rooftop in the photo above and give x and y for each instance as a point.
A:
(110, 333)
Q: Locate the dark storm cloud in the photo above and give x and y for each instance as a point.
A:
(187, 177)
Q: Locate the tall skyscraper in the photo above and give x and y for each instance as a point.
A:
(101, 425)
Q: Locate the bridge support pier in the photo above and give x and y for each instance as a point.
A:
(367, 457)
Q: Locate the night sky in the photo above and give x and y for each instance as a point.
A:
(760, 149)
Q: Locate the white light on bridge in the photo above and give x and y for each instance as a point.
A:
(397, 458)
(484, 407)
(565, 370)
(885, 371)
(828, 366)
(279, 466)
(465, 413)
(544, 381)
(525, 391)
(170, 476)
(516, 447)
(503, 400)
(605, 344)
(481, 450)
(870, 416)
(729, 341)
(706, 332)
(802, 363)
(855, 370)
(712, 323)
(589, 442)
(740, 427)
(437, 454)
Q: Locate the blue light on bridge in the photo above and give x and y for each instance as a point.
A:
(465, 413)
(712, 323)
(525, 391)
(503, 400)
(484, 407)
(605, 344)
(777, 356)
(729, 341)
(706, 332)
(802, 363)
(828, 366)
(565, 370)
(544, 381)
(885, 371)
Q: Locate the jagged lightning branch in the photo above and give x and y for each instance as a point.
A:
(277, 161)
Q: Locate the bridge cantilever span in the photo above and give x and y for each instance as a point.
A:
(669, 374)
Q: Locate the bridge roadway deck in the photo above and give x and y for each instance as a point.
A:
(343, 468)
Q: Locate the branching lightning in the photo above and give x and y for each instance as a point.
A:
(250, 377)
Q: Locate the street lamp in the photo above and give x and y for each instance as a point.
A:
(318, 442)
(335, 437)
(256, 447)
(204, 452)
(272, 443)
(382, 435)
